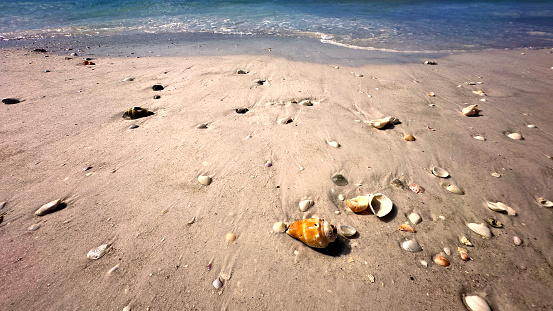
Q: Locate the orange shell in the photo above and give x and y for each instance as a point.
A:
(441, 260)
(409, 138)
(314, 232)
(405, 227)
(463, 253)
(358, 204)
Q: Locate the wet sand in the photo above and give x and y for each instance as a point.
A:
(141, 184)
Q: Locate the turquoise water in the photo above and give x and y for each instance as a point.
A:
(381, 25)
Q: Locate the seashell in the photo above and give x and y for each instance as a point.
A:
(409, 138)
(424, 263)
(334, 144)
(405, 227)
(494, 223)
(305, 102)
(306, 204)
(496, 175)
(34, 227)
(397, 183)
(481, 229)
(358, 204)
(380, 204)
(441, 260)
(501, 208)
(414, 218)
(532, 126)
(113, 269)
(452, 188)
(416, 188)
(217, 283)
(129, 79)
(477, 303)
(98, 252)
(241, 72)
(341, 197)
(127, 308)
(430, 62)
(517, 240)
(230, 237)
(515, 136)
(204, 180)
(339, 180)
(544, 202)
(381, 123)
(481, 93)
(482, 138)
(347, 231)
(371, 278)
(241, 110)
(465, 241)
(463, 253)
(137, 112)
(411, 246)
(2, 205)
(431, 94)
(447, 251)
(202, 126)
(48, 208)
(440, 172)
(279, 227)
(10, 101)
(314, 232)
(471, 110)
(133, 126)
(285, 120)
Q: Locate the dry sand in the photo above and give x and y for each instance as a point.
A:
(142, 186)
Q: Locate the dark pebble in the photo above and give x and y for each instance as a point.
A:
(157, 87)
(133, 126)
(157, 97)
(40, 50)
(10, 101)
(241, 110)
(339, 180)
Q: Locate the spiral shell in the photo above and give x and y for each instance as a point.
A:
(314, 232)
(358, 204)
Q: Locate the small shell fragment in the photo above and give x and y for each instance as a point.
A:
(230, 237)
(545, 202)
(471, 110)
(447, 251)
(358, 204)
(496, 175)
(441, 260)
(305, 205)
(48, 208)
(409, 137)
(279, 227)
(217, 283)
(515, 136)
(479, 137)
(465, 241)
(494, 223)
(98, 252)
(517, 240)
(204, 180)
(532, 126)
(414, 218)
(411, 246)
(416, 188)
(341, 197)
(334, 144)
(406, 227)
(34, 227)
(501, 208)
(371, 278)
(285, 120)
(431, 94)
(112, 270)
(347, 231)
(440, 172)
(463, 253)
(481, 229)
(477, 303)
(381, 123)
(452, 188)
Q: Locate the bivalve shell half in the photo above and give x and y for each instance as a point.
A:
(441, 260)
(501, 208)
(481, 229)
(305, 205)
(471, 110)
(414, 218)
(381, 123)
(515, 136)
(358, 204)
(545, 202)
(380, 204)
(440, 172)
(411, 246)
(477, 303)
(347, 231)
(452, 188)
(204, 180)
(48, 208)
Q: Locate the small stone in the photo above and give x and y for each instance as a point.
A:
(10, 101)
(217, 284)
(230, 237)
(430, 62)
(339, 180)
(517, 240)
(397, 183)
(204, 180)
(268, 164)
(241, 110)
(496, 175)
(157, 87)
(531, 126)
(414, 218)
(241, 72)
(46, 70)
(48, 208)
(424, 263)
(40, 50)
(306, 204)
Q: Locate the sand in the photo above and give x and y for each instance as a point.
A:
(141, 186)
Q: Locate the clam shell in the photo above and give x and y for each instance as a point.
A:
(306, 204)
(411, 246)
(48, 208)
(409, 137)
(441, 260)
(501, 208)
(217, 283)
(414, 218)
(230, 237)
(305, 102)
(334, 144)
(471, 110)
(479, 137)
(545, 202)
(279, 227)
(476, 303)
(452, 188)
(515, 136)
(481, 229)
(347, 231)
(380, 204)
(358, 204)
(440, 172)
(204, 180)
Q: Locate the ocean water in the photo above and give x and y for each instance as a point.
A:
(393, 25)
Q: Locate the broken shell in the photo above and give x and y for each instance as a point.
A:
(314, 232)
(471, 110)
(405, 227)
(517, 240)
(358, 204)
(306, 204)
(494, 223)
(501, 208)
(411, 246)
(113, 269)
(217, 283)
(496, 175)
(441, 260)
(98, 252)
(414, 218)
(380, 204)
(440, 172)
(347, 231)
(481, 229)
(48, 208)
(447, 251)
(477, 303)
(452, 188)
(285, 120)
(305, 102)
(409, 137)
(34, 227)
(532, 126)
(334, 144)
(371, 278)
(516, 136)
(204, 180)
(465, 241)
(416, 188)
(544, 202)
(479, 137)
(381, 123)
(431, 94)
(230, 237)
(463, 253)
(279, 227)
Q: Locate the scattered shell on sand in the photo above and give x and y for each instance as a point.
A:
(409, 137)
(447, 250)
(501, 208)
(358, 204)
(285, 120)
(476, 303)
(532, 126)
(441, 260)
(494, 223)
(230, 237)
(431, 94)
(129, 79)
(440, 172)
(479, 137)
(334, 144)
(515, 136)
(98, 252)
(347, 231)
(48, 207)
(381, 123)
(411, 246)
(241, 72)
(279, 227)
(452, 188)
(465, 241)
(341, 197)
(305, 102)
(479, 93)
(481, 229)
(380, 204)
(517, 240)
(306, 204)
(416, 188)
(202, 126)
(463, 253)
(496, 175)
(371, 278)
(471, 110)
(406, 227)
(34, 227)
(217, 283)
(204, 180)
(339, 180)
(112, 270)
(414, 218)
(127, 308)
(545, 202)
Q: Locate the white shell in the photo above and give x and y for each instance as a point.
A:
(516, 136)
(544, 202)
(48, 208)
(479, 137)
(279, 227)
(481, 229)
(517, 240)
(497, 175)
(341, 197)
(204, 180)
(34, 227)
(532, 126)
(440, 172)
(347, 231)
(306, 204)
(334, 144)
(414, 218)
(477, 303)
(98, 252)
(411, 246)
(284, 120)
(127, 308)
(380, 204)
(452, 188)
(380, 123)
(501, 207)
(217, 283)
(465, 241)
(447, 251)
(305, 102)
(112, 270)
(202, 126)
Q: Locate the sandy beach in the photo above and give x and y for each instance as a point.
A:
(138, 187)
